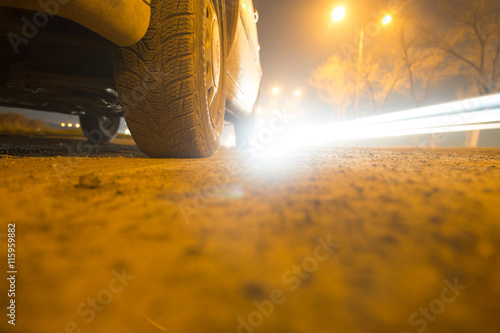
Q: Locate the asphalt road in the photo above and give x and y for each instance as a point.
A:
(325, 240)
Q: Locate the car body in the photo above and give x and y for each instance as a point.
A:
(62, 55)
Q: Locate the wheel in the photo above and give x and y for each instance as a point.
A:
(99, 130)
(171, 84)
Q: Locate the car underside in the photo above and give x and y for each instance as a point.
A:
(195, 63)
(67, 68)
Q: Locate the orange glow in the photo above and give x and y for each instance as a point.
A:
(338, 14)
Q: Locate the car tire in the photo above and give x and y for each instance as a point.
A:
(99, 130)
(171, 84)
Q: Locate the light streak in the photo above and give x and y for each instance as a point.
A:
(467, 115)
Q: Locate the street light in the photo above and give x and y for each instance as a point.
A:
(387, 19)
(338, 14)
(297, 93)
(276, 91)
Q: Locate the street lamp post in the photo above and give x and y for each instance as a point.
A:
(358, 68)
(338, 14)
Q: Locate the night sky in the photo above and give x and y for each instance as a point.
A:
(297, 36)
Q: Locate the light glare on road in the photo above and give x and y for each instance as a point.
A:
(231, 141)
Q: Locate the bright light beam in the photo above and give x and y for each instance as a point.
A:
(343, 131)
(288, 145)
(440, 109)
(472, 114)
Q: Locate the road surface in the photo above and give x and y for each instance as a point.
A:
(325, 240)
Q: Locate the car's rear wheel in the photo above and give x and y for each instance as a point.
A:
(99, 130)
(172, 83)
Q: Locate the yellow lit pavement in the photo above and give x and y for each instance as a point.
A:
(346, 240)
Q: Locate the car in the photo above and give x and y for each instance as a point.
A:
(175, 69)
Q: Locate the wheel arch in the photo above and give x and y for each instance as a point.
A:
(232, 16)
(123, 22)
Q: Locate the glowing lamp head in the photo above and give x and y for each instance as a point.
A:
(338, 14)
(276, 91)
(387, 19)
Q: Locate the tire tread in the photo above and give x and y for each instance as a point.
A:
(163, 114)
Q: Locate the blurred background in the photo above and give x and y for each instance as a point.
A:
(329, 61)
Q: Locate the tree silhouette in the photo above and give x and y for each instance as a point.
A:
(425, 66)
(396, 62)
(470, 35)
(335, 82)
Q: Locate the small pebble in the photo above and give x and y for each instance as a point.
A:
(90, 181)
